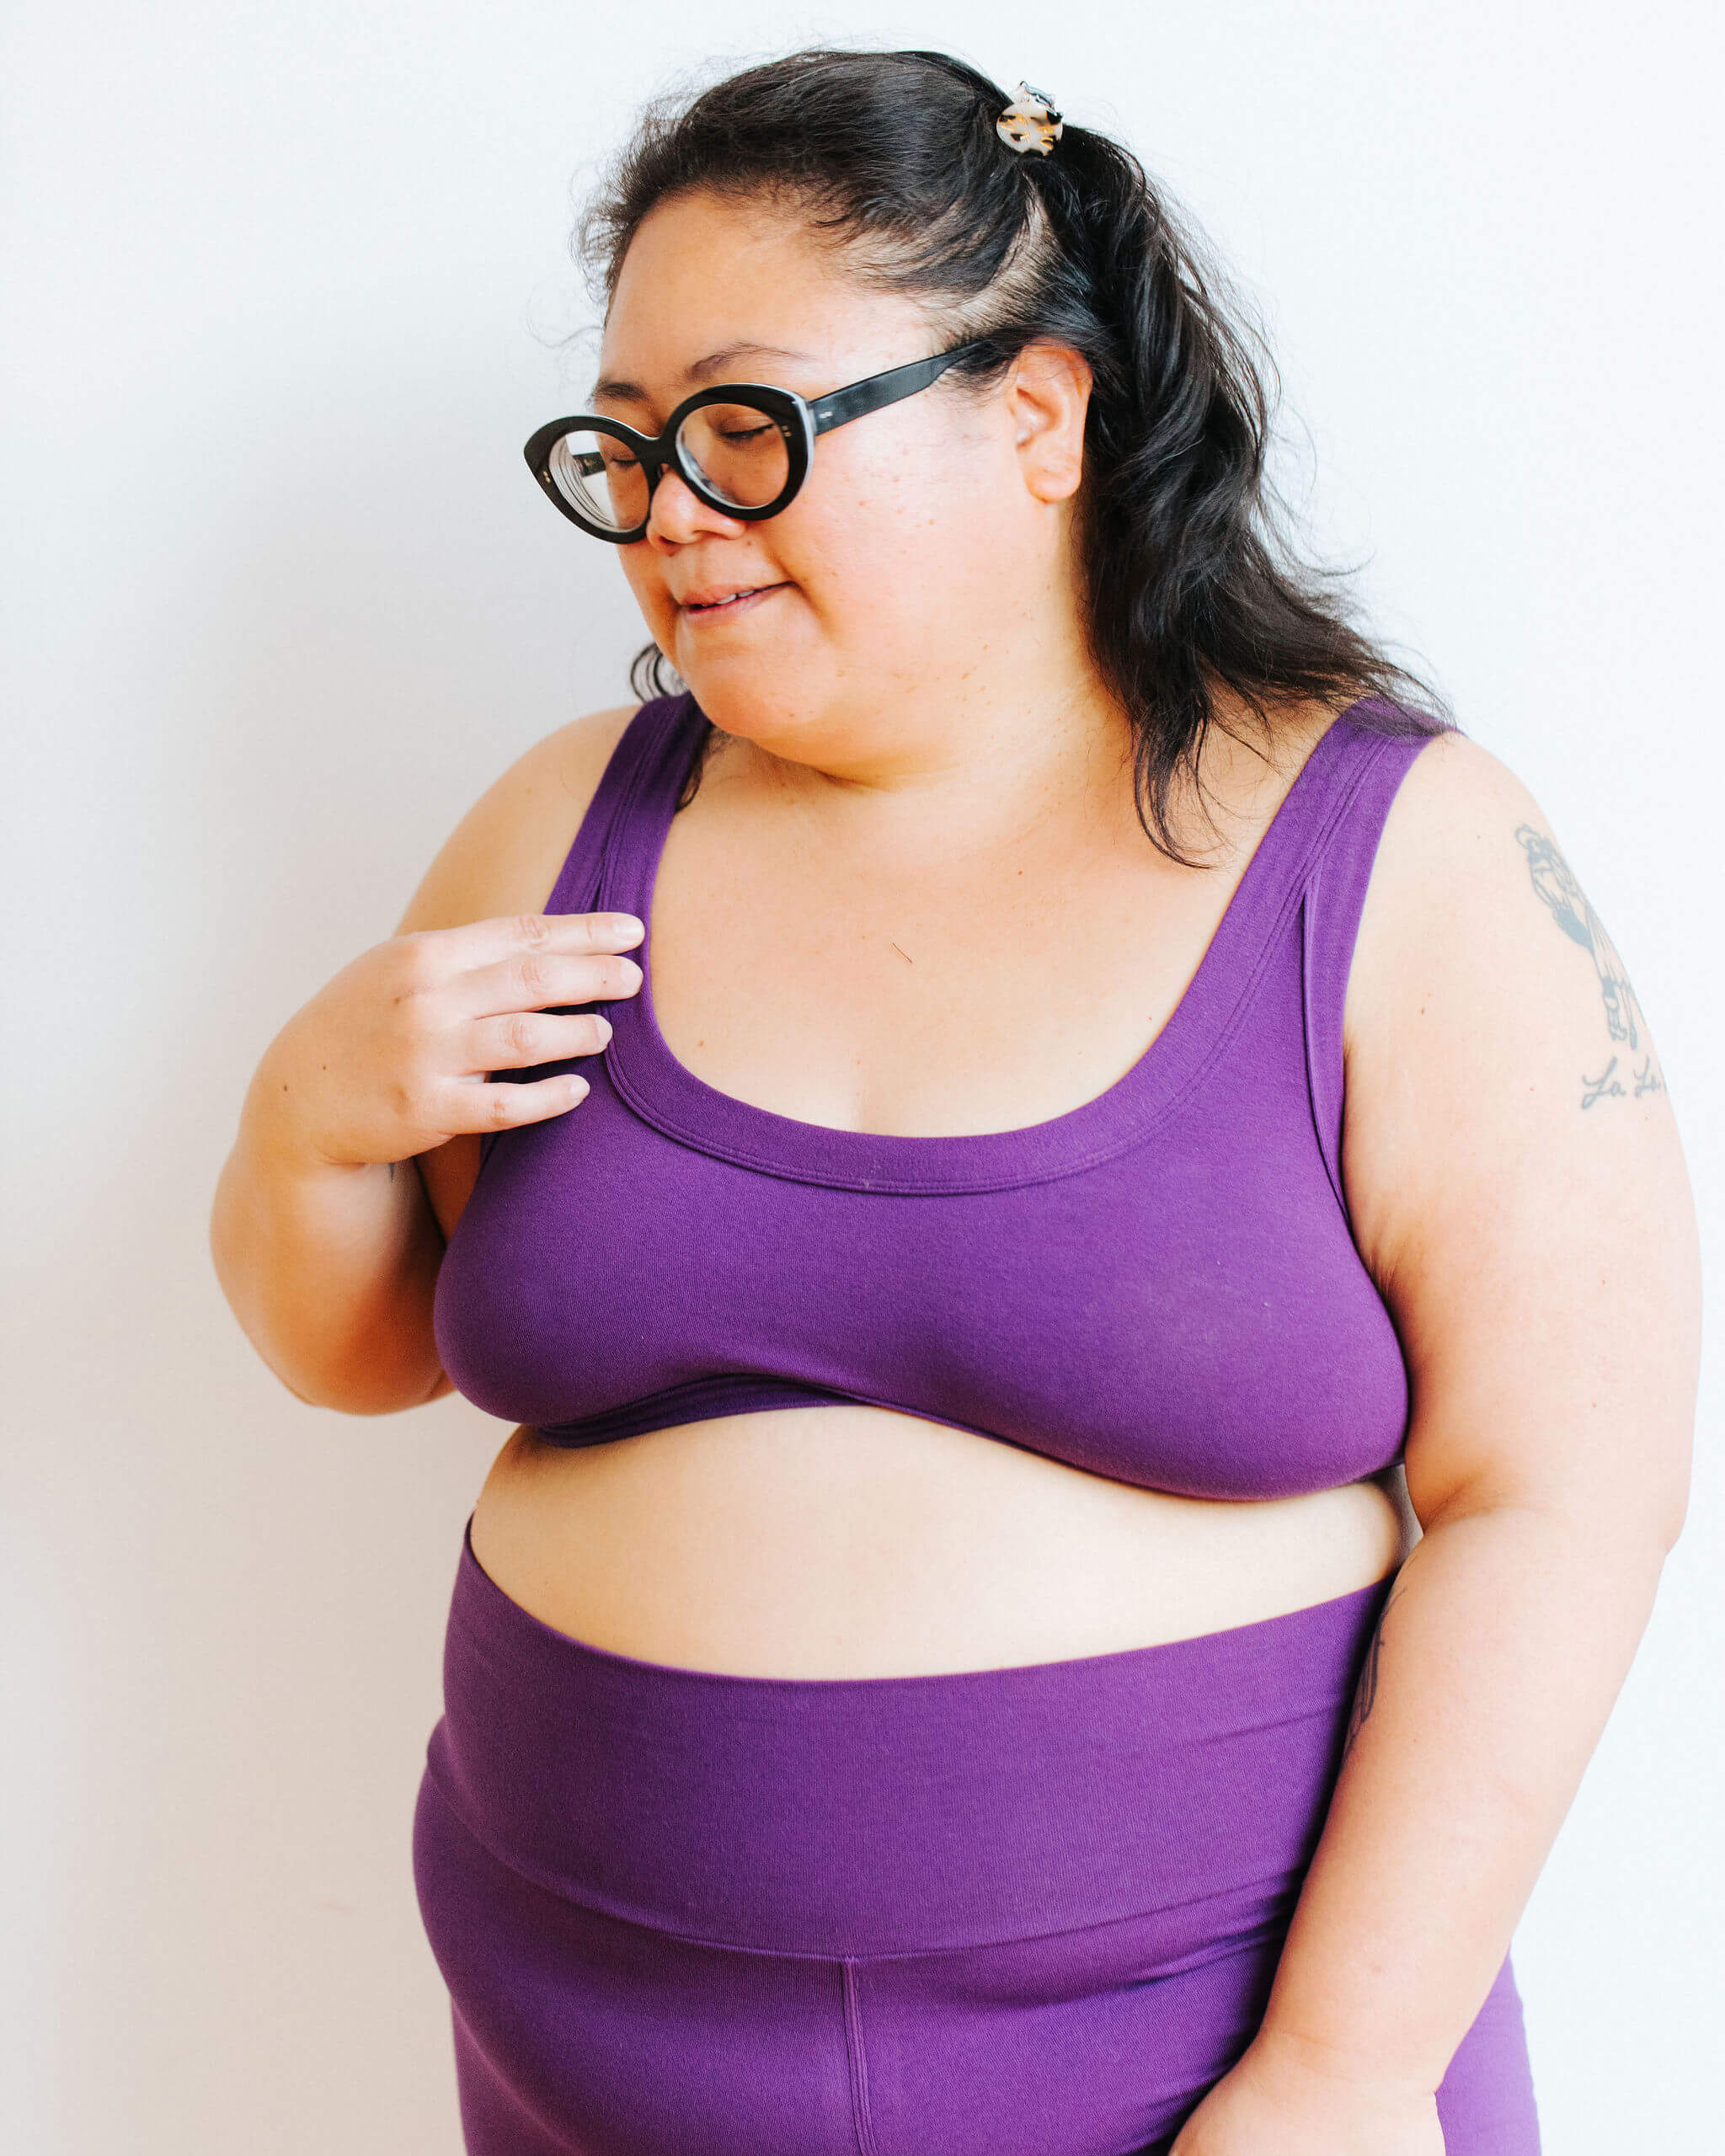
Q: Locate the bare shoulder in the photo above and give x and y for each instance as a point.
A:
(1450, 808)
(1471, 886)
(503, 856)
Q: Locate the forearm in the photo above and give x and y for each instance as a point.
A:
(330, 1270)
(1503, 1646)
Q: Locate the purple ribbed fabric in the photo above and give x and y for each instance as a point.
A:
(1160, 1286)
(1033, 1911)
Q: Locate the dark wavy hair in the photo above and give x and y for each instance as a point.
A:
(1189, 579)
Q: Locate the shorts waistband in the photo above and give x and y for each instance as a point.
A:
(890, 1815)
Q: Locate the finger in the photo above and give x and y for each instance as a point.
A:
(539, 980)
(520, 1039)
(558, 935)
(477, 1109)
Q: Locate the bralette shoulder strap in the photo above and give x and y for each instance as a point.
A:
(641, 765)
(625, 796)
(1374, 756)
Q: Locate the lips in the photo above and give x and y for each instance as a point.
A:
(725, 598)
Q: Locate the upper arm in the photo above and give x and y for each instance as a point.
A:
(502, 858)
(1513, 1168)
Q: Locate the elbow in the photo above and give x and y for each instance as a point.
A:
(364, 1391)
(1674, 1517)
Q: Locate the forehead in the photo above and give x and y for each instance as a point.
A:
(707, 274)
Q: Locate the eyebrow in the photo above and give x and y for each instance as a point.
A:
(703, 370)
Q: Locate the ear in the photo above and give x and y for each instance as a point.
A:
(1047, 394)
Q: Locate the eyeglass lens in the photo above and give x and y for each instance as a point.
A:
(739, 454)
(596, 474)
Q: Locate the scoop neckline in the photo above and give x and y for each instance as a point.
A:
(665, 1092)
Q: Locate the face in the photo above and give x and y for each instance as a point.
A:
(927, 538)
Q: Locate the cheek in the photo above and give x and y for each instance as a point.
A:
(896, 539)
(647, 583)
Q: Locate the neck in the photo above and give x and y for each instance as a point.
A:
(969, 748)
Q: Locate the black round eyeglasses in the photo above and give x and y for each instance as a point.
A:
(742, 447)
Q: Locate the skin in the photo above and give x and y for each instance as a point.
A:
(911, 896)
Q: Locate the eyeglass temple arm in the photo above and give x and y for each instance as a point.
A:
(881, 389)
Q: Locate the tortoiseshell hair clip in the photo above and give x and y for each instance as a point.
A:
(1031, 123)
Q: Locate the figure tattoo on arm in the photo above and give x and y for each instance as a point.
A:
(1555, 883)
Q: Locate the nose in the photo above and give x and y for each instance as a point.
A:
(677, 515)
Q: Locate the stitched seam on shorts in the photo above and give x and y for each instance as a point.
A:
(859, 2062)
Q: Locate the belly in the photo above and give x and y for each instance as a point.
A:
(854, 1541)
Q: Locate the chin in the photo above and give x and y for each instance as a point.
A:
(755, 693)
(752, 702)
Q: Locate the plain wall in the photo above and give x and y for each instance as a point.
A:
(284, 290)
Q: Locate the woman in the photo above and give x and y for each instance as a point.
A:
(1105, 1087)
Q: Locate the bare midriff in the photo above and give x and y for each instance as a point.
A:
(852, 1541)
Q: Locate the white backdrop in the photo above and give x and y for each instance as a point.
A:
(285, 285)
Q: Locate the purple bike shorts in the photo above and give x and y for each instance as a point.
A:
(1023, 1912)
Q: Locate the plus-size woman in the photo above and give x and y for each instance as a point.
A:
(1110, 1079)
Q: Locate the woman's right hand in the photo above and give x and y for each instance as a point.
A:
(393, 1057)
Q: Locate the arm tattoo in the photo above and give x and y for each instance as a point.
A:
(1366, 1691)
(1554, 882)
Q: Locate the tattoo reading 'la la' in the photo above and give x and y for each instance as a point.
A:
(1555, 883)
